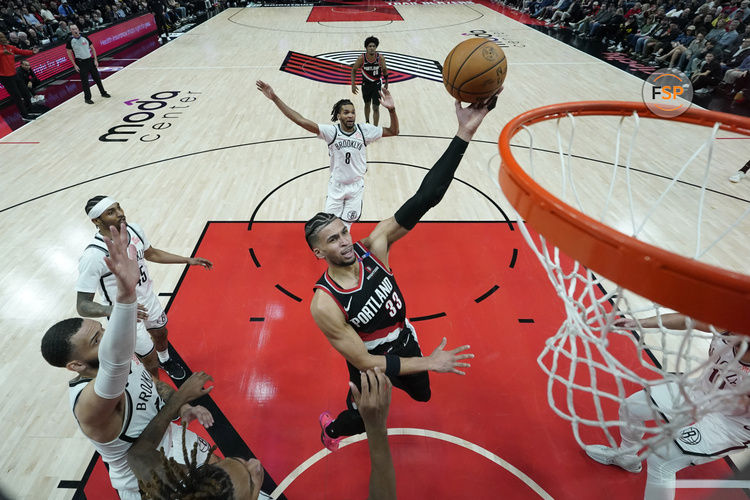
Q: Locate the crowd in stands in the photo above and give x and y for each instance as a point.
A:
(707, 40)
(40, 23)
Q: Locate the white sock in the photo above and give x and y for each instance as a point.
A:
(163, 355)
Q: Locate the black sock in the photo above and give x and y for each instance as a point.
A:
(746, 167)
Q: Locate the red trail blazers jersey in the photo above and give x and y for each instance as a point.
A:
(375, 308)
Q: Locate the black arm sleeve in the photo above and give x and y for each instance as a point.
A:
(433, 187)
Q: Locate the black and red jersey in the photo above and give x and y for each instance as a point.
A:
(371, 70)
(375, 308)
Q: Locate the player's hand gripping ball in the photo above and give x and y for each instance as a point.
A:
(474, 70)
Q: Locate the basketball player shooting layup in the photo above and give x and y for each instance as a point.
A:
(357, 303)
(347, 142)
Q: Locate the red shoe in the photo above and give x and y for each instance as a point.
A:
(330, 443)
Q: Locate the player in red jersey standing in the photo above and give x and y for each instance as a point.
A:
(372, 66)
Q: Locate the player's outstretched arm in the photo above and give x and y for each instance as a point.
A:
(143, 457)
(345, 340)
(297, 118)
(163, 257)
(373, 404)
(98, 401)
(386, 99)
(87, 308)
(435, 183)
(672, 321)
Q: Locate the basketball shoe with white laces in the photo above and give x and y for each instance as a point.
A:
(610, 456)
(174, 369)
(332, 444)
(737, 177)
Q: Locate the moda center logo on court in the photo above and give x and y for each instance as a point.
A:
(667, 92)
(151, 117)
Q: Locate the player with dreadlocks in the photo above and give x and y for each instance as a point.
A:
(357, 303)
(347, 143)
(162, 478)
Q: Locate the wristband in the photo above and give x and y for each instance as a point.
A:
(392, 365)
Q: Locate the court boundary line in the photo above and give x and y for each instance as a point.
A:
(424, 433)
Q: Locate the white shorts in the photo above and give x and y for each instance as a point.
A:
(143, 342)
(129, 494)
(345, 200)
(714, 435)
(157, 318)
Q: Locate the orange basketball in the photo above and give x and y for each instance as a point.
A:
(474, 70)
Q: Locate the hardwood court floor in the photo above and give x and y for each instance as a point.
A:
(221, 149)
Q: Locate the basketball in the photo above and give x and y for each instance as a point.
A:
(474, 70)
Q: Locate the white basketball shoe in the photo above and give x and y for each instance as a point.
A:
(612, 456)
(737, 177)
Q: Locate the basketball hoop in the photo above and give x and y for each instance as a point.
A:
(633, 269)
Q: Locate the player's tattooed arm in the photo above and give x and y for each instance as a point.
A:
(165, 390)
(87, 308)
(143, 457)
(187, 411)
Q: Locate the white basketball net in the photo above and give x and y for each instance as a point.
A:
(592, 364)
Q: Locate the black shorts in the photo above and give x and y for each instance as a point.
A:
(371, 92)
(416, 385)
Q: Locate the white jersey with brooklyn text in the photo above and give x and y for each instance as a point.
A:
(94, 276)
(142, 403)
(347, 150)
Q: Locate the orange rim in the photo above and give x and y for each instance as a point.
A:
(700, 290)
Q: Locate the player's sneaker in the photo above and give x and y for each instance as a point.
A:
(174, 369)
(331, 443)
(611, 456)
(737, 177)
